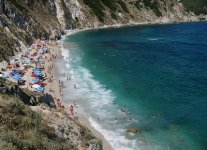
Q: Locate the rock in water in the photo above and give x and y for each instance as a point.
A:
(133, 130)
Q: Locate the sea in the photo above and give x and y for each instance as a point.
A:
(152, 78)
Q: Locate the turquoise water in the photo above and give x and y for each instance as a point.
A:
(157, 74)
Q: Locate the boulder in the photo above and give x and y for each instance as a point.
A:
(95, 144)
(133, 130)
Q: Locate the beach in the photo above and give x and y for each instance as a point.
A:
(62, 75)
(33, 64)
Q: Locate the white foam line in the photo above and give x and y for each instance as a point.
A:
(100, 101)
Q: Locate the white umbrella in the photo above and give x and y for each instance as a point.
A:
(36, 86)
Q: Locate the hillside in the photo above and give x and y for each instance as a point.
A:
(23, 21)
(24, 127)
(196, 6)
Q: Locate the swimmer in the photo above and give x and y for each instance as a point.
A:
(75, 86)
(75, 104)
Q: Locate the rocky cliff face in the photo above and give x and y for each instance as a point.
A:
(21, 21)
(27, 123)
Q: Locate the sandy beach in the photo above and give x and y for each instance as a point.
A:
(69, 84)
(51, 83)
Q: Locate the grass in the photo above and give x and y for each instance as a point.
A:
(22, 129)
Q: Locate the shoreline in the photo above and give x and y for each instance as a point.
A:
(82, 119)
(51, 81)
(56, 50)
(82, 29)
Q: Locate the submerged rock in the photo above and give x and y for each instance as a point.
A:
(133, 130)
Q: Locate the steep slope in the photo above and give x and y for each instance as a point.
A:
(24, 127)
(109, 12)
(24, 20)
(196, 6)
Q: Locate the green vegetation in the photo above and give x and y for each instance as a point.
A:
(96, 7)
(123, 6)
(197, 6)
(99, 6)
(22, 129)
(138, 5)
(18, 5)
(6, 46)
(154, 6)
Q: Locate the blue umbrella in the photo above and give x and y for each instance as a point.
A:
(39, 89)
(35, 80)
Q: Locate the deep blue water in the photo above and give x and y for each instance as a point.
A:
(159, 72)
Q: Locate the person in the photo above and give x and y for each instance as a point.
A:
(71, 109)
(74, 104)
(58, 103)
(75, 86)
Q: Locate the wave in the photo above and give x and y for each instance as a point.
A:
(117, 141)
(95, 102)
(153, 39)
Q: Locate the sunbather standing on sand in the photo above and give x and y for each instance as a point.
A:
(72, 110)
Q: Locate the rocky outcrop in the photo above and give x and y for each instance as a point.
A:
(26, 96)
(65, 128)
(2, 6)
(69, 129)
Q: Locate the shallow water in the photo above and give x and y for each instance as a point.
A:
(157, 74)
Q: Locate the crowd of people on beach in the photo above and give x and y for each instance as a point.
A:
(32, 68)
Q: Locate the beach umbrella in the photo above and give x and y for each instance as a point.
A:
(40, 89)
(5, 76)
(36, 86)
(16, 78)
(35, 80)
(33, 52)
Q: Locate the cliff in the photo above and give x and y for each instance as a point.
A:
(25, 123)
(22, 21)
(27, 126)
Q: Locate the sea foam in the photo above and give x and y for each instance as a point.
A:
(95, 101)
